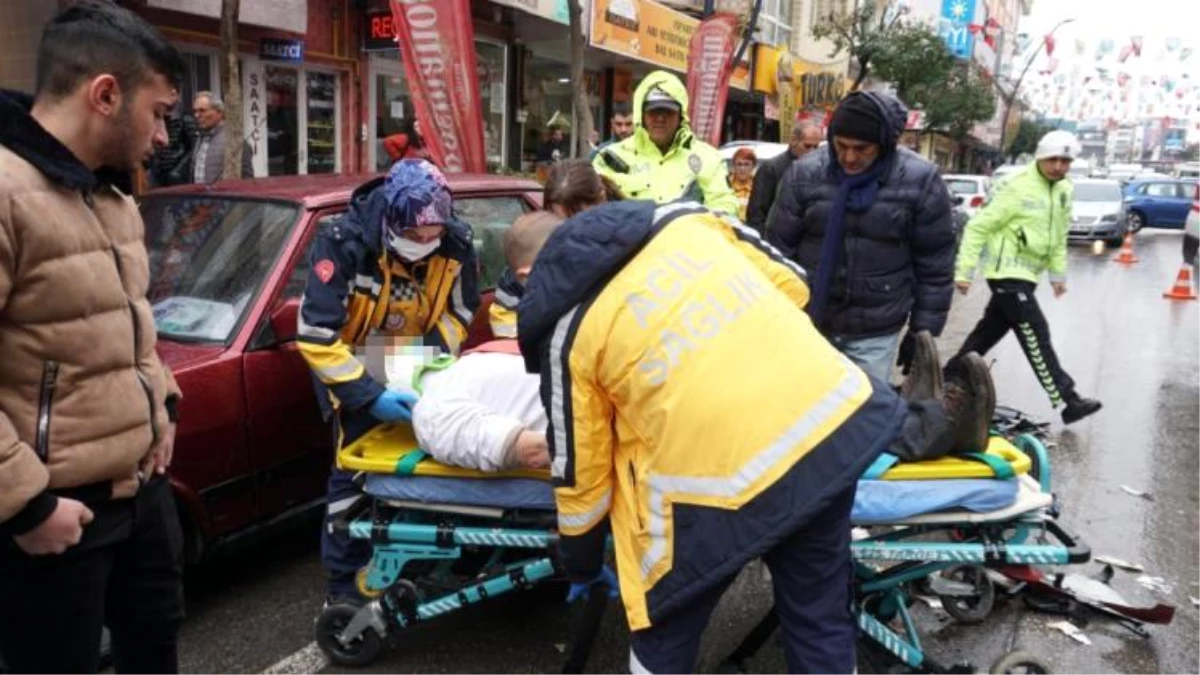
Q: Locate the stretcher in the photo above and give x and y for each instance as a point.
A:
(445, 537)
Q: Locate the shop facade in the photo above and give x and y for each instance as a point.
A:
(296, 75)
(387, 96)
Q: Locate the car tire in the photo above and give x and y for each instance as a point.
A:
(1136, 221)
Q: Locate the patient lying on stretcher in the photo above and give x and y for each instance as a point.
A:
(483, 411)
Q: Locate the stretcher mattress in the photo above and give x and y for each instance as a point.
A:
(877, 502)
(392, 449)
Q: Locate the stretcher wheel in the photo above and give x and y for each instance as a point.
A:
(360, 652)
(1020, 662)
(364, 588)
(975, 607)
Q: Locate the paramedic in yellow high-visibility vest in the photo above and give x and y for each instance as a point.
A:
(696, 412)
(398, 264)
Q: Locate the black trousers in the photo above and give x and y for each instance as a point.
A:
(1014, 306)
(126, 573)
(811, 573)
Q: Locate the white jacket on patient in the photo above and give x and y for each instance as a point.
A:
(471, 412)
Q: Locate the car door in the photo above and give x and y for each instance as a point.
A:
(1175, 209)
(291, 444)
(1157, 203)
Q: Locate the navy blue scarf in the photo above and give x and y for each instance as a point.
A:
(856, 194)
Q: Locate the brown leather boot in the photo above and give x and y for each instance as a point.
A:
(970, 401)
(924, 379)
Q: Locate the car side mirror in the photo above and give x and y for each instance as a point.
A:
(283, 320)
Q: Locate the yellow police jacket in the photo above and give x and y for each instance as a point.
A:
(692, 403)
(690, 169)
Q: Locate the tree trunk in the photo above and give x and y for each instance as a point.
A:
(583, 111)
(231, 86)
(864, 65)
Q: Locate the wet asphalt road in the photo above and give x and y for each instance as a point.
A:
(1116, 335)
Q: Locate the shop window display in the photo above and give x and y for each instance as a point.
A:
(548, 102)
(392, 105)
(493, 86)
(322, 123)
(283, 156)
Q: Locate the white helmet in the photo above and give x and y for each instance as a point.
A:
(1058, 144)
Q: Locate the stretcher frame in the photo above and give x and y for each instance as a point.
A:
(522, 546)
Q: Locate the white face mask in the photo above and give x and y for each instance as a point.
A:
(412, 251)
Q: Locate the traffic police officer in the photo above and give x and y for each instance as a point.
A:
(662, 161)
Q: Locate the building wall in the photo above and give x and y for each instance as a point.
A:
(805, 14)
(20, 31)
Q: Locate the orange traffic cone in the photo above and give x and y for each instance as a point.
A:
(1125, 255)
(1182, 290)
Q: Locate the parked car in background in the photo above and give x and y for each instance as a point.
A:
(1191, 232)
(1098, 211)
(1004, 171)
(1124, 172)
(972, 188)
(1158, 202)
(1188, 171)
(228, 263)
(763, 150)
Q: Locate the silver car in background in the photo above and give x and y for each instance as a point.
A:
(1098, 212)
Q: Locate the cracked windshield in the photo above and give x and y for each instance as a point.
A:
(538, 336)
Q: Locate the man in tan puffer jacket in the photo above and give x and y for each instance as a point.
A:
(89, 534)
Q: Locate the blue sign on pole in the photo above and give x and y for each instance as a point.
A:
(953, 26)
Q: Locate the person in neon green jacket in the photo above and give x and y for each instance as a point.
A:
(1024, 229)
(662, 160)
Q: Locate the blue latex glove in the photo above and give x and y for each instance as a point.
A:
(605, 577)
(393, 406)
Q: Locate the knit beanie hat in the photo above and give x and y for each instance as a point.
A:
(858, 118)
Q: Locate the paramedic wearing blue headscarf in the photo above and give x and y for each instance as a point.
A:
(398, 264)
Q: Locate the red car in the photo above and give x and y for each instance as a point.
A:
(228, 264)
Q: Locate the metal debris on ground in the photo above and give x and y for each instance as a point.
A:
(1118, 563)
(932, 602)
(1155, 584)
(1070, 630)
(1137, 493)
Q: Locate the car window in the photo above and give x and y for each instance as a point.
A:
(489, 217)
(1097, 192)
(299, 276)
(962, 186)
(1160, 190)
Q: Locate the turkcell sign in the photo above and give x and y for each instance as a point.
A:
(957, 15)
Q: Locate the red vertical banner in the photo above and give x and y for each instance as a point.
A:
(710, 64)
(437, 45)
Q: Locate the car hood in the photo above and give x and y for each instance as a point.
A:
(1095, 209)
(181, 355)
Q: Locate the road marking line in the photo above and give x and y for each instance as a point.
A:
(309, 659)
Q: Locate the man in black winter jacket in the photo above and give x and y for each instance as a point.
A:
(806, 137)
(871, 223)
